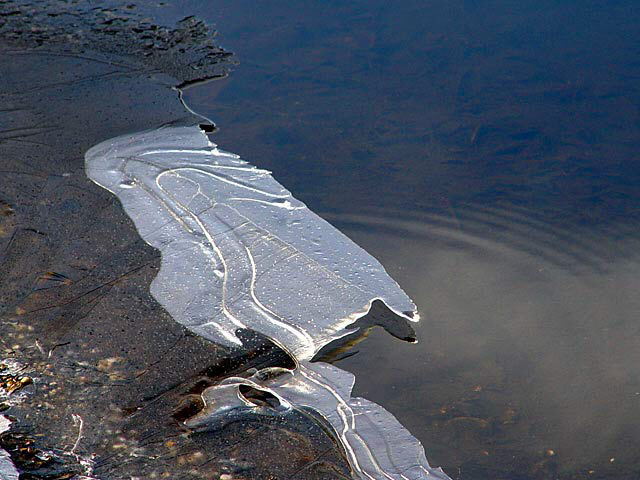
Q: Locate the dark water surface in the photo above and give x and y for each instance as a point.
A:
(487, 154)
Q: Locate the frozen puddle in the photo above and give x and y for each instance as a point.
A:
(238, 251)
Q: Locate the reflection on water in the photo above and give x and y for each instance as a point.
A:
(526, 368)
(486, 153)
(500, 232)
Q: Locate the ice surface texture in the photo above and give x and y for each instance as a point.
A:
(239, 252)
(375, 443)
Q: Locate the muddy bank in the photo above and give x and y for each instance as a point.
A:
(111, 375)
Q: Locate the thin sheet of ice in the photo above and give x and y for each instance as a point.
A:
(376, 444)
(238, 251)
(7, 469)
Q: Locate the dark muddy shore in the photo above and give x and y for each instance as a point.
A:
(108, 375)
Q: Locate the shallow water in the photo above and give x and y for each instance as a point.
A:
(486, 153)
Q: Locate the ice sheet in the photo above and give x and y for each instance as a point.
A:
(238, 251)
(375, 443)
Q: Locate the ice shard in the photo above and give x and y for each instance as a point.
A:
(375, 443)
(239, 252)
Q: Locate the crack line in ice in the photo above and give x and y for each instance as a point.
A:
(213, 245)
(342, 407)
(223, 179)
(271, 315)
(264, 311)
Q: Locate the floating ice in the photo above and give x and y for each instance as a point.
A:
(375, 443)
(239, 252)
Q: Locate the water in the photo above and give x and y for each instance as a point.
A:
(486, 153)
